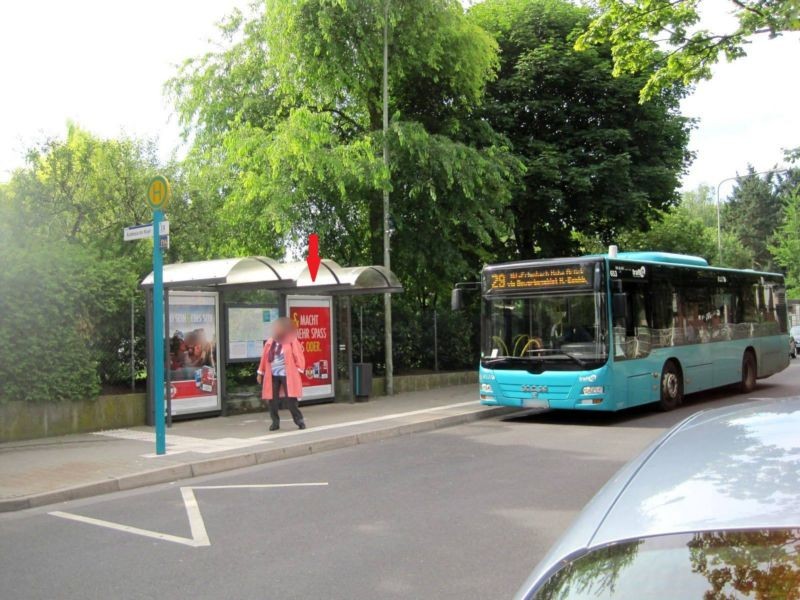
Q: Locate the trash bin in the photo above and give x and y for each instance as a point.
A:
(362, 380)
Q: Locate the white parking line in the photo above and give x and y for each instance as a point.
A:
(127, 529)
(197, 526)
(257, 486)
(196, 523)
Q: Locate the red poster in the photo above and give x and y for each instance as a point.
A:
(312, 319)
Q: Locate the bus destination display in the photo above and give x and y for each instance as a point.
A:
(545, 277)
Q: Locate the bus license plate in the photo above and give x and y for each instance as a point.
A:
(535, 403)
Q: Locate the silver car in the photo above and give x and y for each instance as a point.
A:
(710, 511)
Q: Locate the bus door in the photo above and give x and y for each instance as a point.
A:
(633, 342)
(693, 321)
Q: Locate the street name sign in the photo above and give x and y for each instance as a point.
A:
(145, 231)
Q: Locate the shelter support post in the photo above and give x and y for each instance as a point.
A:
(133, 344)
(435, 341)
(222, 353)
(167, 369)
(361, 333)
(148, 316)
(349, 341)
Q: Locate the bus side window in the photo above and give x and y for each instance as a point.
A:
(632, 330)
(664, 305)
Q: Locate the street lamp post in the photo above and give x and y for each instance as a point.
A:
(719, 220)
(387, 298)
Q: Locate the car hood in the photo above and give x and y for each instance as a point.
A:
(729, 468)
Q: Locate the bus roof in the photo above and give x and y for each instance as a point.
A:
(665, 258)
(653, 257)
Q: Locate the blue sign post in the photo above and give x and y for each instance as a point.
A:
(158, 193)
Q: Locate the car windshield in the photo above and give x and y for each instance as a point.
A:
(795, 331)
(568, 330)
(762, 563)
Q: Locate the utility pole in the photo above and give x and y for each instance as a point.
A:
(387, 298)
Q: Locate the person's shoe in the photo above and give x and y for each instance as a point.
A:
(301, 425)
(274, 427)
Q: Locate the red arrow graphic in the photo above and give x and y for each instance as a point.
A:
(313, 259)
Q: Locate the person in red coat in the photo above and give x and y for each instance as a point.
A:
(282, 361)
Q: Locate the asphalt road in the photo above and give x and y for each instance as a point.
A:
(458, 513)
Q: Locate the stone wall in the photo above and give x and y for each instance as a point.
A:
(27, 420)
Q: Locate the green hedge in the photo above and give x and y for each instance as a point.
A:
(56, 300)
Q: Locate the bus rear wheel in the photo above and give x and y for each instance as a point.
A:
(749, 372)
(671, 387)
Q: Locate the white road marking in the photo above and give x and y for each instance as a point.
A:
(179, 444)
(197, 526)
(196, 523)
(257, 486)
(127, 529)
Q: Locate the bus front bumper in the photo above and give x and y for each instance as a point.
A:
(583, 390)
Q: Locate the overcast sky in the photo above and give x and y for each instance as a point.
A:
(103, 64)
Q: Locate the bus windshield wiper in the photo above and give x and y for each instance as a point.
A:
(519, 360)
(553, 352)
(501, 359)
(539, 354)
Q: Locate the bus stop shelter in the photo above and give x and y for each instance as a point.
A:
(218, 315)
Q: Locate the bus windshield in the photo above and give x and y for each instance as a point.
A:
(563, 332)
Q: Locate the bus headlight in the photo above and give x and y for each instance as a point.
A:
(592, 389)
(486, 388)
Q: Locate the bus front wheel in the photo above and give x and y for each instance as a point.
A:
(671, 387)
(749, 372)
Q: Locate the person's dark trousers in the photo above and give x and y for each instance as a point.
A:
(278, 389)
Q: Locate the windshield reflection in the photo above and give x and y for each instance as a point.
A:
(566, 329)
(725, 565)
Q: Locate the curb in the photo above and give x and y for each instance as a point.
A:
(237, 461)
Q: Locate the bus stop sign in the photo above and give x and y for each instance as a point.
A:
(158, 193)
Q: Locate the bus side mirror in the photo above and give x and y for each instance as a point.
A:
(456, 299)
(619, 306)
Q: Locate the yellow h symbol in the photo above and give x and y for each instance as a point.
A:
(157, 193)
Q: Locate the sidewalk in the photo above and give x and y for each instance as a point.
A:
(40, 472)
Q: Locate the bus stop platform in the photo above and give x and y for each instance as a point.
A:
(42, 472)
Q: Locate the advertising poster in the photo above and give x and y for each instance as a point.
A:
(193, 352)
(248, 328)
(311, 316)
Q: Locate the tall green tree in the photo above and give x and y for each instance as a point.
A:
(640, 31)
(785, 246)
(285, 121)
(752, 213)
(596, 161)
(785, 242)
